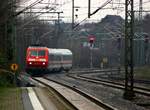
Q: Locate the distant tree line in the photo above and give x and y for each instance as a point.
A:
(5, 32)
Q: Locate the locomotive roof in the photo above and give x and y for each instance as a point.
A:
(53, 50)
(36, 47)
(60, 51)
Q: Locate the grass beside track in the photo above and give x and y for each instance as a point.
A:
(10, 98)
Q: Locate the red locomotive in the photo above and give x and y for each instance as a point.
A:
(43, 58)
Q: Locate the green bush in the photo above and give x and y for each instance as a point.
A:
(6, 79)
(3, 61)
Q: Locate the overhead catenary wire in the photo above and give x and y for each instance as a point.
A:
(41, 13)
(28, 7)
(32, 19)
(68, 1)
(24, 1)
(36, 17)
(101, 7)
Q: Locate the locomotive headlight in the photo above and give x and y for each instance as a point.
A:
(30, 63)
(43, 63)
(43, 60)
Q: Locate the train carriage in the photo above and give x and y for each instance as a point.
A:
(43, 58)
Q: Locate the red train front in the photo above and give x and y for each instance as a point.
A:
(36, 58)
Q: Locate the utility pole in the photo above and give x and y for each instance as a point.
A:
(14, 40)
(11, 34)
(140, 30)
(146, 48)
(129, 33)
(72, 14)
(59, 20)
(58, 28)
(119, 53)
(140, 11)
(145, 36)
(91, 56)
(89, 8)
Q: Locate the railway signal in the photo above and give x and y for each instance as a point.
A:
(91, 39)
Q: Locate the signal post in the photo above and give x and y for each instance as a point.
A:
(91, 39)
(146, 48)
(14, 68)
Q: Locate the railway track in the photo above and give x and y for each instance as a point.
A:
(111, 72)
(94, 100)
(74, 87)
(95, 71)
(139, 90)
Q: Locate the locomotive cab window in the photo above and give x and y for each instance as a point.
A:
(33, 53)
(37, 53)
(41, 53)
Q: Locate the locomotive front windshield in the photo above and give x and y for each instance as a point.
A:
(37, 53)
(33, 53)
(41, 53)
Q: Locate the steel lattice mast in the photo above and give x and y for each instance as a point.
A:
(140, 10)
(129, 33)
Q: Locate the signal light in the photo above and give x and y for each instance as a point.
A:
(91, 39)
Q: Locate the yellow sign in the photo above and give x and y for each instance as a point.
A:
(14, 67)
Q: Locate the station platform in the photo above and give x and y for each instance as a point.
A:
(34, 98)
(77, 100)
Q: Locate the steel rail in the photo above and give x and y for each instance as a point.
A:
(139, 90)
(94, 71)
(88, 96)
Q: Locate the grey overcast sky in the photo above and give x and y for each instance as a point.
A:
(116, 7)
